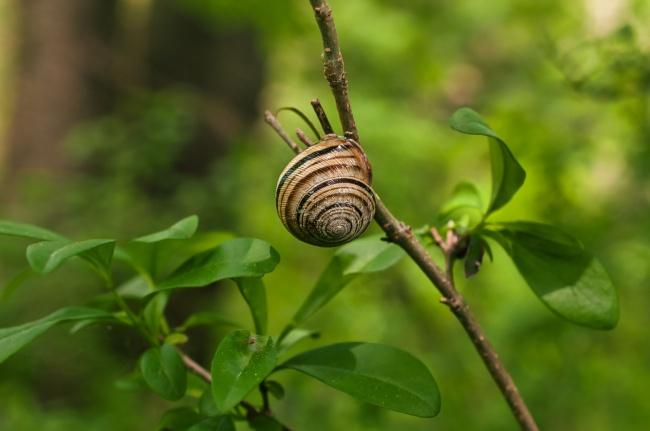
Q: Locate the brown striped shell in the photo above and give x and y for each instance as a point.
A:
(323, 196)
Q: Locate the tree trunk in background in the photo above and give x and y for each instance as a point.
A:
(225, 67)
(54, 55)
(77, 59)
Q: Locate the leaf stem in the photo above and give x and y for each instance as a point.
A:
(132, 316)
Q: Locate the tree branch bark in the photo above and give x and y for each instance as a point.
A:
(402, 235)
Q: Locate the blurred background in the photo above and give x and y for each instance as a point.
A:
(119, 117)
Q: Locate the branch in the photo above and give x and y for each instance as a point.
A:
(304, 138)
(275, 124)
(402, 235)
(322, 117)
(195, 367)
(333, 66)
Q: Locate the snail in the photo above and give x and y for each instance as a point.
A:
(323, 196)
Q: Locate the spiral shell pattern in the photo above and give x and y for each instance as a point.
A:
(323, 196)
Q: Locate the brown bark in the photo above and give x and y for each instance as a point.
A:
(51, 95)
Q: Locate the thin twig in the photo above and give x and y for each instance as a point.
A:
(273, 122)
(304, 138)
(302, 116)
(197, 369)
(322, 117)
(266, 405)
(402, 235)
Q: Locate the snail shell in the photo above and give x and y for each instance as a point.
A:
(323, 196)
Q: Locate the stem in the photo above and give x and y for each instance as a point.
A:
(266, 405)
(195, 367)
(132, 316)
(322, 117)
(275, 124)
(303, 138)
(401, 234)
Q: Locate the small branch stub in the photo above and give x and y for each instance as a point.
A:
(275, 124)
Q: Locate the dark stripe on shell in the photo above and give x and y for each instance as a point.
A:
(298, 185)
(334, 149)
(317, 187)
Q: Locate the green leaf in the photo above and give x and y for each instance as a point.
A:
(27, 231)
(474, 258)
(565, 277)
(207, 406)
(196, 386)
(154, 314)
(362, 256)
(136, 288)
(464, 208)
(375, 373)
(164, 372)
(15, 282)
(294, 336)
(183, 229)
(119, 318)
(217, 423)
(131, 382)
(44, 257)
(206, 318)
(240, 257)
(507, 174)
(265, 423)
(254, 292)
(14, 338)
(275, 389)
(178, 419)
(176, 338)
(150, 253)
(242, 361)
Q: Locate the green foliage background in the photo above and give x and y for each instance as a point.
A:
(571, 97)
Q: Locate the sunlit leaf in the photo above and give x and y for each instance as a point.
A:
(375, 373)
(176, 338)
(28, 231)
(136, 287)
(362, 256)
(507, 174)
(242, 361)
(46, 256)
(182, 229)
(464, 207)
(153, 313)
(164, 372)
(295, 336)
(147, 254)
(566, 277)
(14, 338)
(241, 257)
